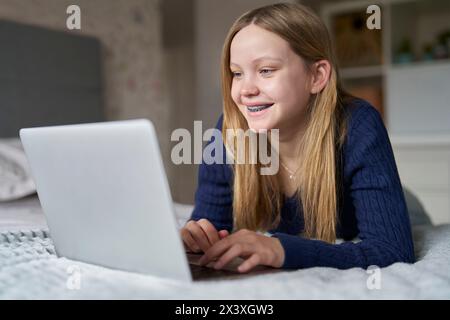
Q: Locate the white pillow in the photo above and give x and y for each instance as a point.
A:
(15, 177)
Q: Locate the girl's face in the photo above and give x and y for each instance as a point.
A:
(270, 86)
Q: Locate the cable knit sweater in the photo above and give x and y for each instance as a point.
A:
(373, 207)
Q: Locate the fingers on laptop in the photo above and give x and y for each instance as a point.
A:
(189, 242)
(195, 238)
(202, 232)
(209, 230)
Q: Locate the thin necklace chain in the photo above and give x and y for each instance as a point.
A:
(290, 172)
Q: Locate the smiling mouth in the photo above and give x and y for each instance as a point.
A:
(259, 108)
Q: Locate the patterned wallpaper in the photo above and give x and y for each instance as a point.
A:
(130, 33)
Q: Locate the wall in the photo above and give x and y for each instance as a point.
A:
(130, 33)
(178, 40)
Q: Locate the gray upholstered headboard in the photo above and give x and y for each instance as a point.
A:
(47, 77)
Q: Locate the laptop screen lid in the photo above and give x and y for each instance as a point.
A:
(104, 191)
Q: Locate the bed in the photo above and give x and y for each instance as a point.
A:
(29, 269)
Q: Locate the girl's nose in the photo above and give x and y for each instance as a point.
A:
(249, 89)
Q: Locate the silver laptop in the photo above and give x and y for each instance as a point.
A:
(104, 191)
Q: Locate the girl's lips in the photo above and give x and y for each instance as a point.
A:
(257, 114)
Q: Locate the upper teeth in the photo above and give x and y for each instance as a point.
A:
(258, 108)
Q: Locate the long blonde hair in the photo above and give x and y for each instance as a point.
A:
(257, 199)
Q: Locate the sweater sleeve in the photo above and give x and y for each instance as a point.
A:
(371, 178)
(213, 198)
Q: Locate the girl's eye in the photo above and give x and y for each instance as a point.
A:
(266, 72)
(236, 74)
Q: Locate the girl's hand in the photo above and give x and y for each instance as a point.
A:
(200, 235)
(257, 248)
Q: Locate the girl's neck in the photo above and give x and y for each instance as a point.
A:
(289, 147)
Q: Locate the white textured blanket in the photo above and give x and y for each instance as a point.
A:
(29, 269)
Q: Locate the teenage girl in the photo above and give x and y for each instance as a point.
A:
(337, 176)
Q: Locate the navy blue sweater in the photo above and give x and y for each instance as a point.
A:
(373, 207)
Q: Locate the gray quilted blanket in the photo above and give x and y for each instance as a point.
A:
(29, 269)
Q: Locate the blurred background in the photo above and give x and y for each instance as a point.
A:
(160, 59)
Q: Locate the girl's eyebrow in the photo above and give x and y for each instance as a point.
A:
(258, 60)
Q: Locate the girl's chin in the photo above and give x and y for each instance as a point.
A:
(260, 125)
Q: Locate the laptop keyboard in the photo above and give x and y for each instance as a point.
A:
(229, 271)
(199, 272)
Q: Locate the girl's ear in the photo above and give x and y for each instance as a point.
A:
(320, 74)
